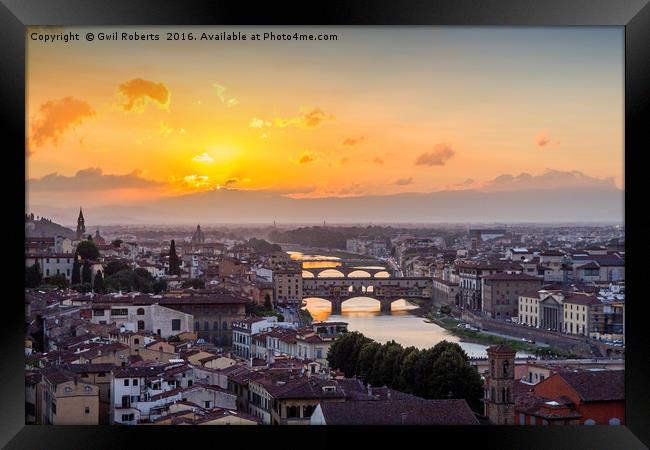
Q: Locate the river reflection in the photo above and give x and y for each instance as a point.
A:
(363, 314)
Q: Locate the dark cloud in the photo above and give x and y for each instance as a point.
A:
(231, 181)
(441, 154)
(138, 92)
(55, 117)
(403, 181)
(90, 179)
(351, 142)
(307, 157)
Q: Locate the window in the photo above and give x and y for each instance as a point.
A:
(206, 325)
(590, 422)
(532, 420)
(225, 325)
(67, 389)
(140, 324)
(87, 410)
(176, 324)
(126, 382)
(135, 382)
(98, 312)
(140, 312)
(88, 389)
(120, 312)
(136, 341)
(522, 419)
(614, 421)
(196, 326)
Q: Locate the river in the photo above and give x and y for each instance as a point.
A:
(362, 314)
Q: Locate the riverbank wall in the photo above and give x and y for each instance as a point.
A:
(577, 345)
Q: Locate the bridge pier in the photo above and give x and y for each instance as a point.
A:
(385, 305)
(336, 306)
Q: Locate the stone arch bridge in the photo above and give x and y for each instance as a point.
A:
(385, 290)
(345, 271)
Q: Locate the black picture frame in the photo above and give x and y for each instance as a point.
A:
(634, 15)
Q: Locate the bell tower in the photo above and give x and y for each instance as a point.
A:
(81, 225)
(499, 385)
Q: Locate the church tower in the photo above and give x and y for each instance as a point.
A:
(499, 385)
(81, 225)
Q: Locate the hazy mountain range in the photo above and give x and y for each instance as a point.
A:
(569, 204)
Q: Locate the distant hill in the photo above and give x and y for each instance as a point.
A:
(46, 228)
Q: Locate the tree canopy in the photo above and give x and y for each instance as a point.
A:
(435, 373)
(88, 250)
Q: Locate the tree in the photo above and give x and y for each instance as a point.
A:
(366, 359)
(98, 284)
(410, 360)
(86, 273)
(174, 263)
(383, 370)
(195, 283)
(452, 376)
(341, 354)
(75, 278)
(33, 275)
(159, 286)
(87, 250)
(267, 302)
(59, 280)
(114, 267)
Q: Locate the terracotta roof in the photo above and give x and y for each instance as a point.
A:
(581, 299)
(597, 386)
(512, 277)
(399, 412)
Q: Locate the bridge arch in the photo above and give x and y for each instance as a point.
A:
(382, 274)
(307, 274)
(331, 273)
(359, 273)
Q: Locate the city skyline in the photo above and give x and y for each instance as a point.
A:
(487, 111)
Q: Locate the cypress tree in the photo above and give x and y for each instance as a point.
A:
(33, 276)
(98, 284)
(174, 264)
(75, 278)
(86, 273)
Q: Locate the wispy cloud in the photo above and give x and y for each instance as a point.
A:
(307, 119)
(351, 142)
(221, 94)
(191, 182)
(441, 154)
(307, 157)
(138, 92)
(403, 181)
(203, 158)
(55, 117)
(542, 140)
(377, 160)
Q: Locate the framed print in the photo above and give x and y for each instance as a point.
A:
(375, 220)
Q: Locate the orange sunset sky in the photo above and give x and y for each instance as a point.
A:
(382, 110)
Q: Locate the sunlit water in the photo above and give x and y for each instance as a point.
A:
(363, 313)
